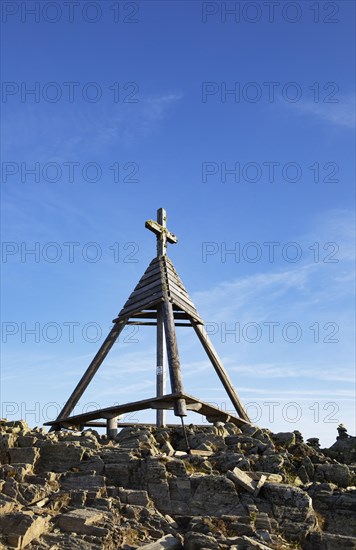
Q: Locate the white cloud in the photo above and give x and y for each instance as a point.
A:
(341, 113)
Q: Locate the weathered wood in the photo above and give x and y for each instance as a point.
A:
(144, 287)
(142, 294)
(179, 290)
(186, 307)
(111, 427)
(161, 230)
(161, 296)
(113, 411)
(153, 324)
(221, 372)
(151, 266)
(160, 366)
(95, 424)
(173, 356)
(150, 272)
(183, 300)
(206, 410)
(127, 311)
(92, 369)
(150, 315)
(174, 277)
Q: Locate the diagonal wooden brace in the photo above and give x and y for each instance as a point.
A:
(220, 370)
(91, 370)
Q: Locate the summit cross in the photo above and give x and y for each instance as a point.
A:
(159, 227)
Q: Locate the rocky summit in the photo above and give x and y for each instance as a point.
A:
(236, 489)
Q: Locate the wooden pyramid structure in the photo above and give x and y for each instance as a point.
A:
(159, 299)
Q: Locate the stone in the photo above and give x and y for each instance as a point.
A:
(314, 442)
(81, 521)
(198, 541)
(262, 521)
(302, 473)
(259, 485)
(213, 495)
(26, 441)
(292, 508)
(168, 542)
(59, 457)
(241, 479)
(284, 439)
(275, 478)
(241, 528)
(7, 504)
(334, 473)
(24, 455)
(76, 480)
(93, 463)
(327, 541)
(128, 493)
(167, 448)
(201, 452)
(270, 463)
(309, 466)
(137, 498)
(20, 528)
(255, 544)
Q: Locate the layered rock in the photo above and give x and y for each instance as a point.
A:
(235, 489)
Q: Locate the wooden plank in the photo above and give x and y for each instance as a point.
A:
(154, 272)
(92, 369)
(160, 366)
(153, 324)
(94, 424)
(184, 298)
(186, 307)
(175, 279)
(143, 293)
(179, 290)
(113, 411)
(205, 409)
(157, 228)
(149, 280)
(220, 370)
(151, 270)
(172, 270)
(142, 304)
(142, 323)
(147, 284)
(149, 315)
(173, 356)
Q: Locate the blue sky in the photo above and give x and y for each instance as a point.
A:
(136, 114)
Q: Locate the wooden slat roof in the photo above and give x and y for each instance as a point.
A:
(160, 279)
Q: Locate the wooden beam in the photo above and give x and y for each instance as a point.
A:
(168, 400)
(111, 427)
(113, 411)
(142, 294)
(91, 370)
(93, 424)
(160, 366)
(153, 315)
(173, 355)
(127, 311)
(221, 372)
(153, 324)
(142, 288)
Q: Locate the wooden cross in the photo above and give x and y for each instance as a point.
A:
(159, 227)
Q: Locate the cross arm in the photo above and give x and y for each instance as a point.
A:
(158, 229)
